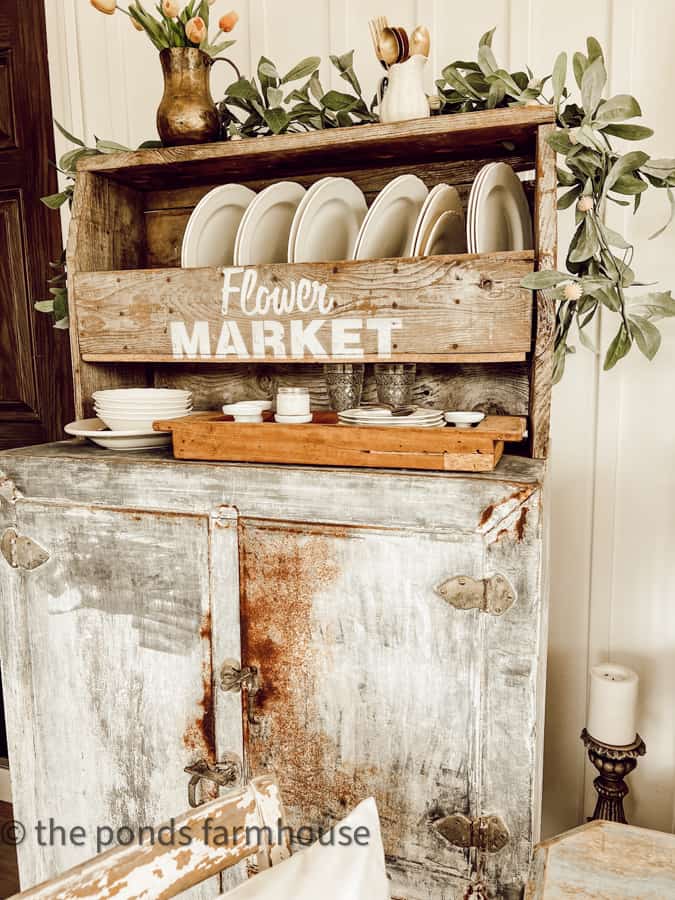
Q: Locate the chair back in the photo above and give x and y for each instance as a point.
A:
(241, 824)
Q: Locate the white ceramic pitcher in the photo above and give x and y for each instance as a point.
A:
(404, 97)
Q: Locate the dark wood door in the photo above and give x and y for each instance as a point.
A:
(35, 383)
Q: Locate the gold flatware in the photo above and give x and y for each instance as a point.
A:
(420, 41)
(390, 47)
(404, 43)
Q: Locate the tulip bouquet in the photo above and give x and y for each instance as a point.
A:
(174, 27)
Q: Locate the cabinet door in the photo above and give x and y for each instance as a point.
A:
(369, 683)
(107, 650)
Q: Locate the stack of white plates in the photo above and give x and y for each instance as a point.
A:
(440, 227)
(498, 216)
(383, 417)
(135, 409)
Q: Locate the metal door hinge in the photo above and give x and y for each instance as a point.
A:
(224, 773)
(488, 834)
(492, 595)
(21, 552)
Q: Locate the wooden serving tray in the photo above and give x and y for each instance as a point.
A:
(325, 442)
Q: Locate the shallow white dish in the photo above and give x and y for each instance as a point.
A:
(142, 393)
(266, 225)
(471, 207)
(448, 236)
(421, 418)
(95, 431)
(461, 419)
(140, 422)
(501, 218)
(293, 420)
(212, 228)
(389, 226)
(442, 199)
(309, 193)
(329, 222)
(247, 406)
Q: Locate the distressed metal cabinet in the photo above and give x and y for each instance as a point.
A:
(393, 623)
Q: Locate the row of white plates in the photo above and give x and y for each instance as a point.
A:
(330, 221)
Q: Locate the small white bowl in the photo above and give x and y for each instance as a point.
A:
(293, 420)
(247, 407)
(133, 394)
(252, 418)
(462, 419)
(130, 422)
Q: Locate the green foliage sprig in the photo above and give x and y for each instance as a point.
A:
(271, 106)
(599, 260)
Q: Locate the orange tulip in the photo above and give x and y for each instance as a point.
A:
(170, 8)
(195, 30)
(105, 6)
(228, 21)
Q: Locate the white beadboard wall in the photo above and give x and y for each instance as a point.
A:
(613, 471)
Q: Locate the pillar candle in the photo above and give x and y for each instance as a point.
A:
(612, 708)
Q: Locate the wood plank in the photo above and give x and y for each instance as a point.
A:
(106, 231)
(171, 867)
(326, 442)
(493, 388)
(441, 308)
(331, 149)
(546, 242)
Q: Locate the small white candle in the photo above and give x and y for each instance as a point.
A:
(612, 709)
(293, 401)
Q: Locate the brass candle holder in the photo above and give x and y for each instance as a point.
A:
(613, 764)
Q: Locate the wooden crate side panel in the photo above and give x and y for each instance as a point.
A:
(512, 689)
(443, 308)
(107, 230)
(546, 243)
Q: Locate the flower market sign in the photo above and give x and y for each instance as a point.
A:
(437, 308)
(289, 320)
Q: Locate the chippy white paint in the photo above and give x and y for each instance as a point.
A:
(296, 339)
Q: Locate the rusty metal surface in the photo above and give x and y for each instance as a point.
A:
(364, 675)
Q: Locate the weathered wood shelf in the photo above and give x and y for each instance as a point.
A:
(482, 342)
(324, 441)
(463, 136)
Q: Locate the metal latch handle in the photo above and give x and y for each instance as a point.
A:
(225, 773)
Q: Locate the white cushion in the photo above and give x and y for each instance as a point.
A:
(328, 870)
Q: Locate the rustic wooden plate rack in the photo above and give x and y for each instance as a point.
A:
(481, 341)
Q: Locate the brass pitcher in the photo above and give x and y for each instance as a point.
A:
(187, 113)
